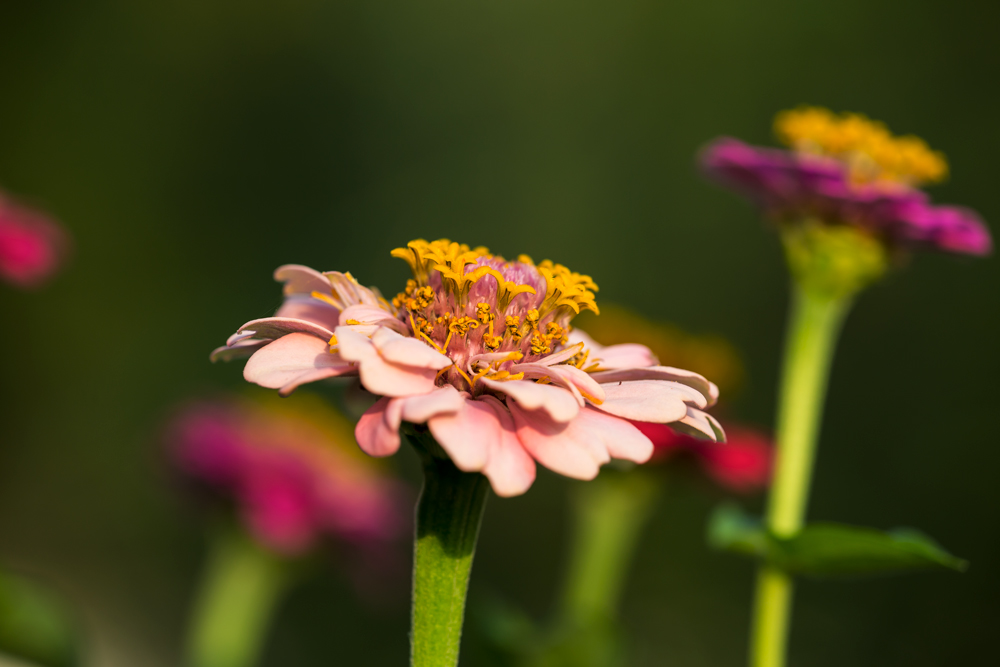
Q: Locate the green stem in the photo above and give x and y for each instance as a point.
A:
(449, 513)
(609, 514)
(241, 585)
(813, 327)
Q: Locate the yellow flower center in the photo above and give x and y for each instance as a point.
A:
(870, 150)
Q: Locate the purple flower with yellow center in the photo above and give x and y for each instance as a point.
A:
(847, 169)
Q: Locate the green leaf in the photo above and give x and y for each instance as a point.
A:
(830, 549)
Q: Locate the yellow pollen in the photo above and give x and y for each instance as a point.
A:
(483, 313)
(349, 322)
(871, 151)
(540, 344)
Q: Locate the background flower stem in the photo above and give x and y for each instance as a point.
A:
(814, 324)
(609, 514)
(449, 513)
(241, 585)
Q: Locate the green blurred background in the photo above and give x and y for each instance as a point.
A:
(192, 146)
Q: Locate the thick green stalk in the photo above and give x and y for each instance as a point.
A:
(609, 514)
(813, 327)
(241, 584)
(449, 513)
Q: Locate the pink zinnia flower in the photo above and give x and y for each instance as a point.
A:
(480, 351)
(32, 246)
(848, 170)
(295, 480)
(743, 463)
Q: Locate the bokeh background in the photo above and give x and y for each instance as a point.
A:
(191, 147)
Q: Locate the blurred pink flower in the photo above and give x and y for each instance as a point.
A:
(847, 169)
(32, 246)
(480, 350)
(743, 463)
(294, 479)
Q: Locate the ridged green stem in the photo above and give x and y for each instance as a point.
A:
(449, 513)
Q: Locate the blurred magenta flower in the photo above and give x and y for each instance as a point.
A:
(480, 350)
(743, 463)
(295, 477)
(32, 246)
(847, 169)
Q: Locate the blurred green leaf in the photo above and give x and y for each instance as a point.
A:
(830, 549)
(34, 625)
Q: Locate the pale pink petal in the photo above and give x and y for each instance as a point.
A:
(239, 350)
(377, 431)
(571, 377)
(644, 401)
(349, 291)
(371, 315)
(317, 375)
(626, 442)
(562, 355)
(700, 425)
(276, 327)
(408, 351)
(509, 468)
(558, 403)
(629, 355)
(285, 361)
(300, 279)
(568, 449)
(302, 307)
(443, 400)
(467, 435)
(693, 380)
(378, 375)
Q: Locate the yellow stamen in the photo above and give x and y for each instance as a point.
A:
(350, 322)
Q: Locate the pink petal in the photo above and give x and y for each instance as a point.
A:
(700, 425)
(377, 431)
(562, 355)
(408, 351)
(571, 377)
(371, 315)
(467, 435)
(300, 279)
(693, 380)
(509, 468)
(571, 449)
(276, 327)
(558, 403)
(645, 401)
(378, 375)
(629, 355)
(302, 307)
(443, 400)
(350, 292)
(239, 350)
(292, 360)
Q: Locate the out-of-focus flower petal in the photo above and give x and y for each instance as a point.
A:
(700, 425)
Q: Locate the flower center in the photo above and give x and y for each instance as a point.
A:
(474, 306)
(870, 150)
